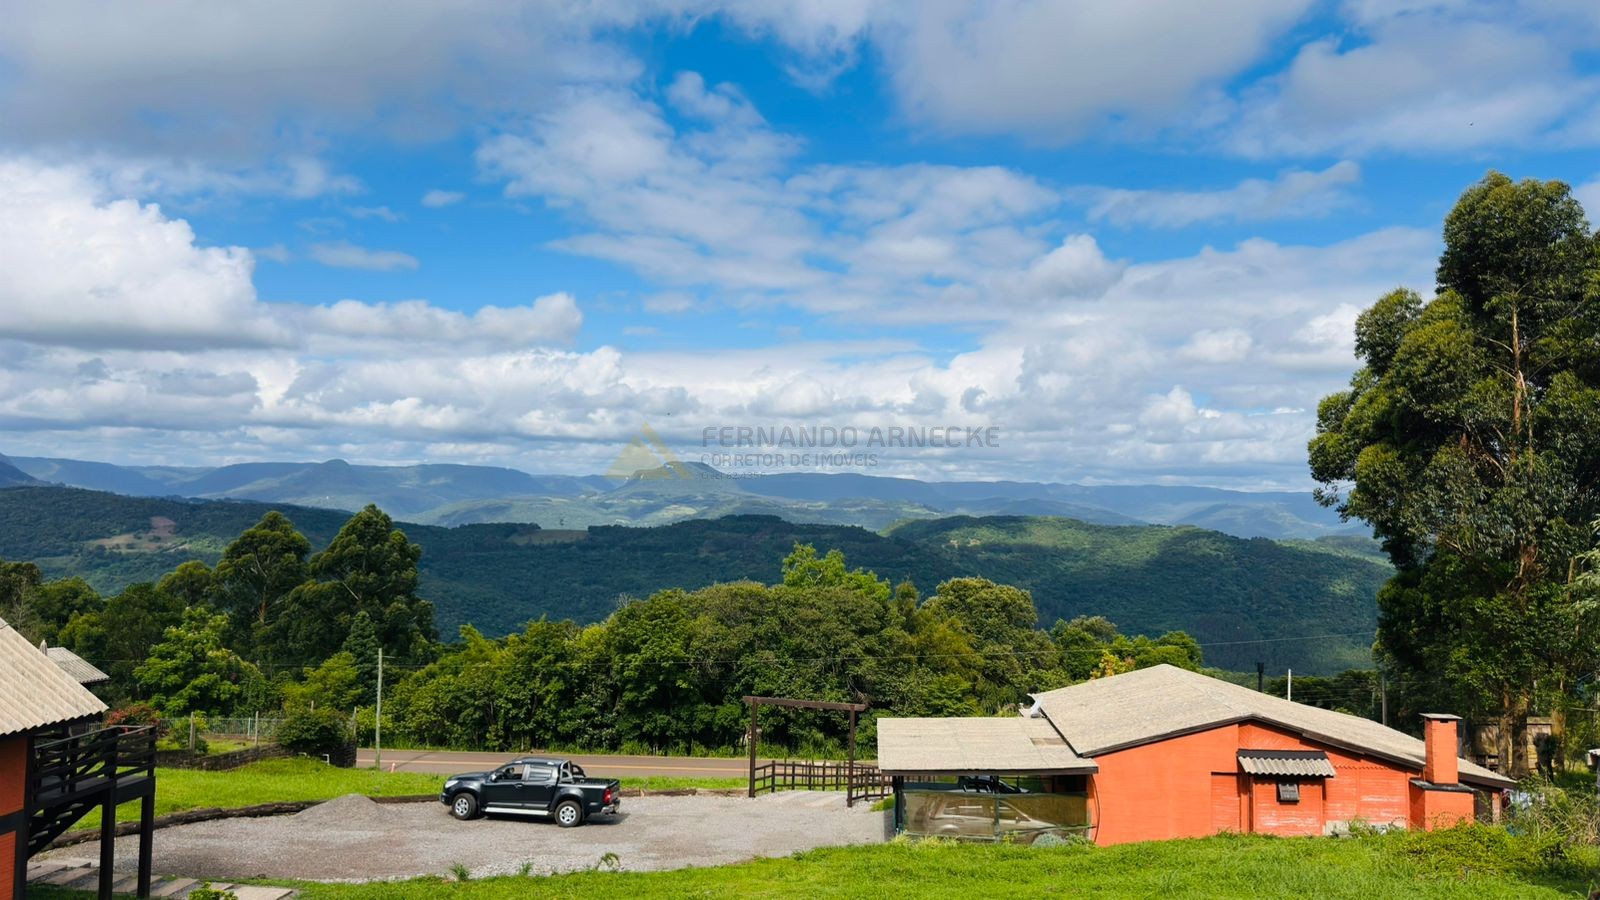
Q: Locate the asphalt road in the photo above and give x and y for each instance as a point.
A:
(443, 762)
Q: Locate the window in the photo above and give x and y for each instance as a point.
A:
(1288, 792)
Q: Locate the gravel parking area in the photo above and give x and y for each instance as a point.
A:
(355, 839)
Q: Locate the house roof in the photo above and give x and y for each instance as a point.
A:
(35, 692)
(75, 665)
(960, 746)
(1147, 705)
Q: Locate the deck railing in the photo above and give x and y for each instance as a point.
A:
(82, 762)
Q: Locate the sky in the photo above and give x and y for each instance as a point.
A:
(1131, 239)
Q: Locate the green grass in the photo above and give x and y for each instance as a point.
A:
(1368, 868)
(270, 781)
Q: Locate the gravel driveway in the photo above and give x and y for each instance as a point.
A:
(355, 839)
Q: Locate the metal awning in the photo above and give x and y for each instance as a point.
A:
(1286, 763)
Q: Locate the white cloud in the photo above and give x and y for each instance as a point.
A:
(297, 177)
(375, 212)
(1219, 346)
(225, 80)
(1202, 367)
(1425, 77)
(436, 198)
(416, 320)
(1293, 194)
(1054, 71)
(345, 255)
(87, 270)
(83, 268)
(1588, 194)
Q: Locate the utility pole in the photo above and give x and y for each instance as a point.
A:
(377, 719)
(1383, 696)
(1261, 677)
(1290, 692)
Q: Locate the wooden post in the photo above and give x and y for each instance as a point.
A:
(108, 822)
(850, 772)
(147, 825)
(753, 707)
(377, 719)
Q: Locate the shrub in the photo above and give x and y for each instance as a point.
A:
(1471, 849)
(135, 715)
(1550, 811)
(206, 892)
(314, 732)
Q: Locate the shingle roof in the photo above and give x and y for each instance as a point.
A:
(35, 692)
(76, 666)
(1286, 763)
(975, 745)
(1162, 701)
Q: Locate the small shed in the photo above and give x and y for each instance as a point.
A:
(1164, 753)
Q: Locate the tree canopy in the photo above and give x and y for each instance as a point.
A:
(1470, 440)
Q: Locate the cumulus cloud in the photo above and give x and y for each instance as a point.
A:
(345, 255)
(190, 73)
(1424, 77)
(436, 198)
(1203, 366)
(87, 269)
(1055, 70)
(1293, 194)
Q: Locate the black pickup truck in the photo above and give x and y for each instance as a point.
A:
(532, 786)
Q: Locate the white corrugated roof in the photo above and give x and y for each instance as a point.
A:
(1147, 705)
(35, 692)
(75, 665)
(974, 745)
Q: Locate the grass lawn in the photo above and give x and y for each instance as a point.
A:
(270, 781)
(1368, 868)
(1373, 868)
(276, 780)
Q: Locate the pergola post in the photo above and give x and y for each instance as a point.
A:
(753, 707)
(850, 770)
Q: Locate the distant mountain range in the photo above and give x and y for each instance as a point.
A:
(1301, 604)
(463, 495)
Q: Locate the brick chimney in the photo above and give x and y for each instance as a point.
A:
(1439, 739)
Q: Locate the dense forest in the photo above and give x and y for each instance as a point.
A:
(1253, 600)
(275, 626)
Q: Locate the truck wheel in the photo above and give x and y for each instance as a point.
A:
(569, 814)
(464, 806)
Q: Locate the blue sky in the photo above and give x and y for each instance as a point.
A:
(1131, 237)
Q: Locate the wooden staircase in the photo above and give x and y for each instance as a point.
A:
(70, 775)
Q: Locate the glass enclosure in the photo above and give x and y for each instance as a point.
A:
(994, 808)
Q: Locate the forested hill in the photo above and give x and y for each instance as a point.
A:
(1226, 591)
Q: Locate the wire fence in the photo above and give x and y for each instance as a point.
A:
(252, 728)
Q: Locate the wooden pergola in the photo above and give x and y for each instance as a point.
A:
(854, 709)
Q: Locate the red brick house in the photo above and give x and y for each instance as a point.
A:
(1167, 753)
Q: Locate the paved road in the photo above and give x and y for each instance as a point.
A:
(442, 762)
